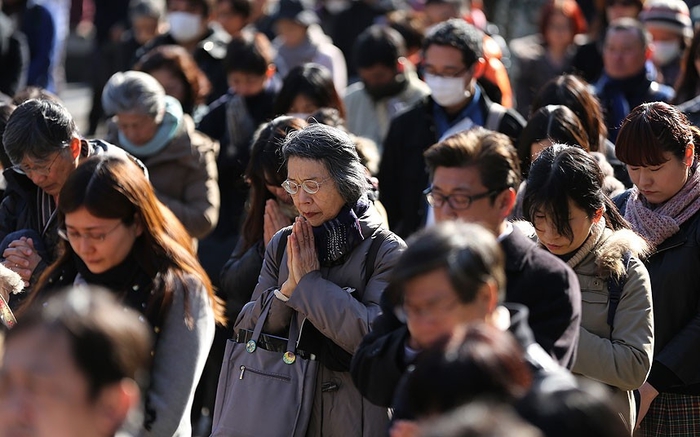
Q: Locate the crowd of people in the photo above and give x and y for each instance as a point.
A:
(469, 234)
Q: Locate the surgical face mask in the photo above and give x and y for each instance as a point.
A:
(184, 27)
(666, 51)
(447, 91)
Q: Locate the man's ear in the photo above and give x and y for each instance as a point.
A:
(479, 67)
(487, 296)
(505, 202)
(113, 404)
(75, 145)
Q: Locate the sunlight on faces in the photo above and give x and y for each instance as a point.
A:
(43, 393)
(232, 22)
(303, 105)
(100, 256)
(51, 173)
(172, 84)
(292, 33)
(623, 54)
(433, 308)
(322, 206)
(559, 33)
(246, 84)
(137, 128)
(658, 183)
(467, 181)
(558, 244)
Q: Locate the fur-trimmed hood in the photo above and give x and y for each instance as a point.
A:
(610, 252)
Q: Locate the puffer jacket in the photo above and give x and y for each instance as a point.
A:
(321, 300)
(620, 358)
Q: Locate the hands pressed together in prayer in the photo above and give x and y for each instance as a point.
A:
(21, 257)
(274, 220)
(301, 255)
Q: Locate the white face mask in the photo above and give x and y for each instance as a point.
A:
(666, 51)
(184, 27)
(447, 91)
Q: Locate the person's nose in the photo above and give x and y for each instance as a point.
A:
(303, 196)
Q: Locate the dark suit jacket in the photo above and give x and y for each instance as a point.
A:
(535, 278)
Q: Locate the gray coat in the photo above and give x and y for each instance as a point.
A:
(320, 299)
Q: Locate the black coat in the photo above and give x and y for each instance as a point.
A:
(402, 173)
(14, 57)
(536, 279)
(674, 269)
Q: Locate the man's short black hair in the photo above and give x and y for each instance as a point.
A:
(248, 53)
(378, 44)
(459, 34)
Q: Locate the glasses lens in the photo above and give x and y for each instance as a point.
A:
(290, 187)
(311, 187)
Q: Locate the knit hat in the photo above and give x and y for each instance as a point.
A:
(299, 11)
(671, 15)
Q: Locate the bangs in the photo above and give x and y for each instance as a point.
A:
(640, 143)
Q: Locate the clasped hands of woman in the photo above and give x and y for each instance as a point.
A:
(302, 257)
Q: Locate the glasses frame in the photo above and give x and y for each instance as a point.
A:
(92, 238)
(432, 199)
(41, 170)
(292, 187)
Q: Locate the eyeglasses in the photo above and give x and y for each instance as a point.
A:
(448, 75)
(456, 201)
(41, 170)
(72, 236)
(309, 185)
(433, 310)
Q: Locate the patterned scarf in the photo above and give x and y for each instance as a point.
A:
(339, 236)
(658, 224)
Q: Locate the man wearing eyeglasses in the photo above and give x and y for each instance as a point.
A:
(42, 141)
(474, 175)
(452, 62)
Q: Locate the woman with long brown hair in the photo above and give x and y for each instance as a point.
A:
(118, 235)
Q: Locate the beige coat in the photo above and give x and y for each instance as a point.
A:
(622, 363)
(185, 177)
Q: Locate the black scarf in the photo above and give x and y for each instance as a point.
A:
(338, 237)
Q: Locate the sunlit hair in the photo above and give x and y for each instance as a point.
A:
(561, 173)
(113, 187)
(556, 123)
(468, 252)
(491, 153)
(266, 161)
(478, 361)
(574, 93)
(568, 8)
(180, 63)
(651, 130)
(335, 149)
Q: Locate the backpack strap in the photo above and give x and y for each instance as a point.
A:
(379, 236)
(615, 286)
(494, 117)
(286, 232)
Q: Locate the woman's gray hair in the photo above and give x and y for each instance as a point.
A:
(147, 8)
(336, 150)
(134, 92)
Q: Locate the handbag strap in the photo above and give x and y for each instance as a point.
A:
(263, 317)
